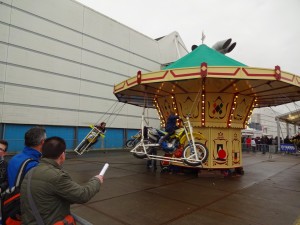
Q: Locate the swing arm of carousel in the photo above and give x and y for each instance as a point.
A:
(89, 139)
(94, 133)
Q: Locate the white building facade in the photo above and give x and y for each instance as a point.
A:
(59, 61)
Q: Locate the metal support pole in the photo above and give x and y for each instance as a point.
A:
(278, 135)
(125, 134)
(176, 44)
(75, 136)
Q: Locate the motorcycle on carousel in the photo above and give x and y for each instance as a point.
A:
(89, 140)
(133, 140)
(180, 147)
(147, 131)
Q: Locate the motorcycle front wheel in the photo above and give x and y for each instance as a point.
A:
(140, 152)
(189, 154)
(130, 143)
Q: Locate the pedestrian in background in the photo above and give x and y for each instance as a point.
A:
(248, 143)
(253, 145)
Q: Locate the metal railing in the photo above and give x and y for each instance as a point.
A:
(260, 148)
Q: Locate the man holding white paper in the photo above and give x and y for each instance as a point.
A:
(105, 167)
(47, 191)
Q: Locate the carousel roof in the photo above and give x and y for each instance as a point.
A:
(218, 73)
(291, 117)
(204, 54)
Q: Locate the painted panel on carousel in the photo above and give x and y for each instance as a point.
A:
(188, 104)
(220, 145)
(242, 108)
(236, 147)
(205, 132)
(218, 108)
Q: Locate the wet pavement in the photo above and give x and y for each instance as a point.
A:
(267, 194)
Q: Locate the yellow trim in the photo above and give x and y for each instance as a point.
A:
(197, 136)
(212, 71)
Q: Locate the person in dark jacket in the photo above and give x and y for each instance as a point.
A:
(170, 126)
(51, 188)
(3, 166)
(102, 128)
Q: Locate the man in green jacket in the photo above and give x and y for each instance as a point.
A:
(52, 190)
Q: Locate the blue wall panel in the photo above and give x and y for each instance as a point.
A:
(14, 134)
(67, 133)
(114, 138)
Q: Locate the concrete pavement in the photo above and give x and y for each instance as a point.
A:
(267, 194)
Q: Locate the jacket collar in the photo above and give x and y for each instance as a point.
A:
(32, 152)
(52, 162)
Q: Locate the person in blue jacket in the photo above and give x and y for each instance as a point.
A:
(34, 140)
(170, 126)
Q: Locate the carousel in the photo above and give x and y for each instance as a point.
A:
(217, 94)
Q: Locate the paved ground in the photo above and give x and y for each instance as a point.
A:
(268, 193)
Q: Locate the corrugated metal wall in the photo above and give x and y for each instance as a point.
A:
(59, 61)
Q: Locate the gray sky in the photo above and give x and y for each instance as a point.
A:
(267, 32)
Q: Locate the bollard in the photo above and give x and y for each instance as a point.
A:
(272, 149)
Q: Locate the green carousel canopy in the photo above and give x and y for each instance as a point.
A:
(203, 53)
(214, 75)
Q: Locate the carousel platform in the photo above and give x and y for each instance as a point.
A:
(132, 194)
